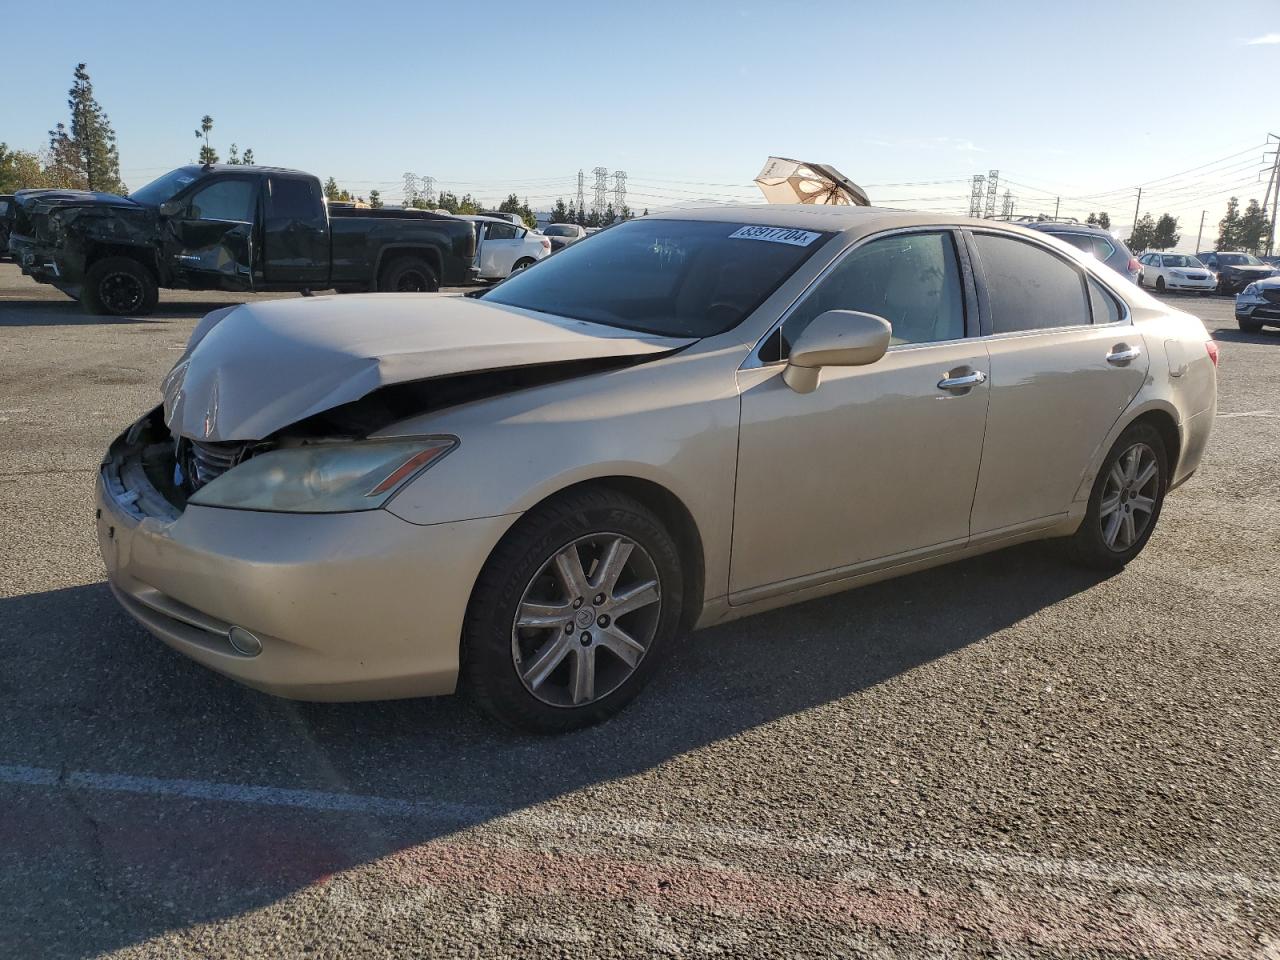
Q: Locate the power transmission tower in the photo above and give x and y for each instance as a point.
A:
(599, 201)
(993, 181)
(429, 190)
(619, 190)
(582, 203)
(1006, 208)
(975, 195)
(410, 189)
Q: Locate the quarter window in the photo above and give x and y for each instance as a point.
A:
(224, 200)
(911, 279)
(1104, 306)
(1029, 288)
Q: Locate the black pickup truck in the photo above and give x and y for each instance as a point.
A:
(229, 228)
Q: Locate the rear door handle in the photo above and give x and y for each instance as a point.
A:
(962, 382)
(1122, 353)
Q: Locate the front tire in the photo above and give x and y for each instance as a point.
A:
(1125, 502)
(409, 275)
(573, 613)
(119, 287)
(1159, 284)
(1248, 326)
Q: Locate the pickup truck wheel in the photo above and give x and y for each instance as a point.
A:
(119, 287)
(409, 275)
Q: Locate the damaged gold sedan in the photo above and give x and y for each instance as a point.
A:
(676, 422)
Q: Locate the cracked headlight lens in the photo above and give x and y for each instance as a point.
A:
(324, 478)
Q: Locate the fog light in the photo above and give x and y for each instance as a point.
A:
(244, 641)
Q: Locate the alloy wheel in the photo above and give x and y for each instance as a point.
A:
(412, 281)
(1129, 497)
(586, 620)
(121, 292)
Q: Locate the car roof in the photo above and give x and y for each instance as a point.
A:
(486, 219)
(1066, 226)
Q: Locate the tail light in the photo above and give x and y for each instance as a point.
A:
(546, 244)
(1134, 265)
(1211, 346)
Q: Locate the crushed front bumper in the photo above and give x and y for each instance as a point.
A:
(346, 606)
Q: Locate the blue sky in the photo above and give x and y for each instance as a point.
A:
(1086, 99)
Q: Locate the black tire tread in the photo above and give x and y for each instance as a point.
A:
(485, 654)
(387, 277)
(1085, 546)
(92, 303)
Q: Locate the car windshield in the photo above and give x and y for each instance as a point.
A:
(676, 278)
(559, 230)
(1239, 259)
(1172, 260)
(162, 188)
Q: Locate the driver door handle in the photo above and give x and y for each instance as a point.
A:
(1122, 353)
(962, 382)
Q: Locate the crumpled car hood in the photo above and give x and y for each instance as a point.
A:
(253, 369)
(51, 198)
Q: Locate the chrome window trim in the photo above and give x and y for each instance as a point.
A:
(753, 361)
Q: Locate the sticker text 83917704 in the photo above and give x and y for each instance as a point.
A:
(797, 238)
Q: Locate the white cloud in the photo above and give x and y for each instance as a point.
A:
(1265, 38)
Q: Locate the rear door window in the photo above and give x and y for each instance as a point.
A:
(1028, 288)
(501, 231)
(292, 200)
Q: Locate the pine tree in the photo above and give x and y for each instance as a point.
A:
(208, 155)
(85, 156)
(331, 191)
(1144, 233)
(559, 213)
(375, 200)
(1104, 220)
(1165, 235)
(610, 216)
(233, 155)
(248, 157)
(1255, 228)
(1229, 237)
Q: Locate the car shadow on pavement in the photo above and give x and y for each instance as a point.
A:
(1233, 335)
(54, 313)
(82, 689)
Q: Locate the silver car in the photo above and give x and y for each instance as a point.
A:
(536, 492)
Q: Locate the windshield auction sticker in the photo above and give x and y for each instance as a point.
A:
(797, 238)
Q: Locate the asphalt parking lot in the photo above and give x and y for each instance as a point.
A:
(1005, 757)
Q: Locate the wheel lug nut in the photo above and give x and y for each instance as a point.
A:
(577, 603)
(599, 599)
(568, 628)
(603, 620)
(585, 639)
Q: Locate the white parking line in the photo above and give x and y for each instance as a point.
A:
(547, 821)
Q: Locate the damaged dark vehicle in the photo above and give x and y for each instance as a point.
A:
(232, 228)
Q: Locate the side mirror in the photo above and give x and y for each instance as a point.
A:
(837, 338)
(170, 208)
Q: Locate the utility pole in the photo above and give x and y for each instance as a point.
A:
(1200, 232)
(1057, 202)
(1273, 192)
(582, 203)
(1136, 207)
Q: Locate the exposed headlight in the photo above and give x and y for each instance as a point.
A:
(1250, 291)
(324, 478)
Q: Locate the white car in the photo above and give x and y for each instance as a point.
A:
(502, 248)
(1175, 271)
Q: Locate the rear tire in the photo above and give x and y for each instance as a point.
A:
(1125, 502)
(408, 275)
(119, 287)
(525, 674)
(522, 263)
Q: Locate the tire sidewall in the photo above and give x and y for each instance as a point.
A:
(1090, 545)
(91, 296)
(488, 670)
(402, 265)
